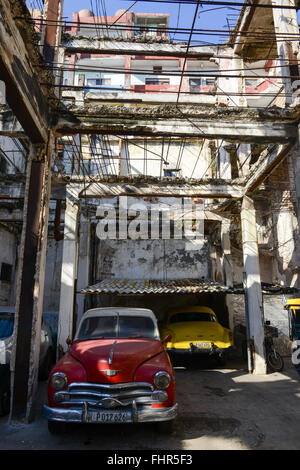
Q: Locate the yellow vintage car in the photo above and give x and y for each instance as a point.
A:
(196, 331)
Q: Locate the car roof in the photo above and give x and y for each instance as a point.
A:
(191, 308)
(107, 311)
(128, 311)
(7, 309)
(295, 302)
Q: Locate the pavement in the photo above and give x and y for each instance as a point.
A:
(219, 409)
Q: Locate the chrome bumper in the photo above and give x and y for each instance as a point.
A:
(134, 415)
(199, 351)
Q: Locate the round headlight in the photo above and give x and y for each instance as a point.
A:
(58, 381)
(162, 379)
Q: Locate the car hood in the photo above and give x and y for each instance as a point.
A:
(120, 355)
(191, 331)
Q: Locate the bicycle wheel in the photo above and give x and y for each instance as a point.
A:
(275, 361)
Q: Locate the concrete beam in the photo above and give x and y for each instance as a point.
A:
(265, 165)
(13, 187)
(234, 125)
(92, 45)
(18, 53)
(227, 191)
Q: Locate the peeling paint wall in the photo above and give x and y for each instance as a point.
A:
(150, 259)
(7, 257)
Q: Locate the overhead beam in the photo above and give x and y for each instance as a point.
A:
(211, 190)
(12, 187)
(17, 54)
(211, 128)
(89, 45)
(265, 165)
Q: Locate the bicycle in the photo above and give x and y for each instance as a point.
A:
(273, 358)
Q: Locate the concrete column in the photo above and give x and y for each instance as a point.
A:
(124, 167)
(224, 162)
(285, 22)
(231, 90)
(253, 295)
(243, 159)
(52, 36)
(83, 264)
(227, 265)
(68, 270)
(127, 67)
(30, 285)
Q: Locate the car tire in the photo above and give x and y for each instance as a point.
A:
(56, 427)
(4, 390)
(4, 400)
(165, 427)
(222, 359)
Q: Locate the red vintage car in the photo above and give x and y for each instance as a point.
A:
(117, 370)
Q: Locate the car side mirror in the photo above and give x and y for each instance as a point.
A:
(167, 338)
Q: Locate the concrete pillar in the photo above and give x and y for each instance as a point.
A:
(127, 68)
(53, 10)
(30, 285)
(227, 265)
(83, 264)
(230, 90)
(285, 22)
(243, 159)
(224, 162)
(124, 168)
(69, 270)
(253, 295)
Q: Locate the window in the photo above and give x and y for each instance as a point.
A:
(6, 272)
(195, 84)
(175, 173)
(192, 316)
(117, 326)
(210, 81)
(6, 325)
(157, 81)
(98, 81)
(157, 69)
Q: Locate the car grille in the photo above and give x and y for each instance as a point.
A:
(105, 395)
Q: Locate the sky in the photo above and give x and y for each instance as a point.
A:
(209, 17)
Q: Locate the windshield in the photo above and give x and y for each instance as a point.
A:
(192, 316)
(117, 326)
(6, 325)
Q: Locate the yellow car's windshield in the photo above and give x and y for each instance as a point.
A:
(192, 316)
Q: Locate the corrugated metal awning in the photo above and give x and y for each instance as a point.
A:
(141, 287)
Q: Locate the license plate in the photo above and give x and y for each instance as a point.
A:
(202, 345)
(108, 417)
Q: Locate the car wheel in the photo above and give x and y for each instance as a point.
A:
(222, 359)
(4, 400)
(165, 427)
(46, 367)
(56, 427)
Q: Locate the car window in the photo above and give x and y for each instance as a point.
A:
(6, 325)
(117, 327)
(192, 316)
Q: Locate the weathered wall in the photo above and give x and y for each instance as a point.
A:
(52, 275)
(8, 252)
(150, 259)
